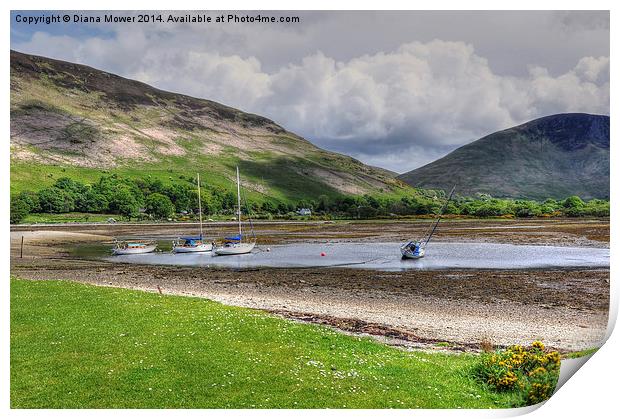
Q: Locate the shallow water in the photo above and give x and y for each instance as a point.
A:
(386, 256)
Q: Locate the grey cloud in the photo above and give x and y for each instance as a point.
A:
(385, 87)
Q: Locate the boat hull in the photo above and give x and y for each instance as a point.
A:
(205, 247)
(135, 250)
(238, 249)
(409, 254)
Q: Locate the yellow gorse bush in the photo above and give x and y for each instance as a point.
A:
(532, 371)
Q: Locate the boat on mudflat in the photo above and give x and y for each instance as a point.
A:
(193, 244)
(133, 248)
(416, 249)
(235, 245)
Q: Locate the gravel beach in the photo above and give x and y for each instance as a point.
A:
(442, 310)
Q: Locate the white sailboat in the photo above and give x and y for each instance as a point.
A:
(133, 247)
(193, 244)
(235, 245)
(412, 250)
(416, 249)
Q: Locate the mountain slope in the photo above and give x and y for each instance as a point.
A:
(555, 156)
(73, 120)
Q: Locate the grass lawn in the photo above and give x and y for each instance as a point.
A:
(80, 346)
(70, 217)
(580, 354)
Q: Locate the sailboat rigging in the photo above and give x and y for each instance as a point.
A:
(416, 249)
(193, 244)
(236, 245)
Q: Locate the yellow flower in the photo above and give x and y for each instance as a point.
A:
(539, 370)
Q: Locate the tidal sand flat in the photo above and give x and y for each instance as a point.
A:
(386, 257)
(561, 298)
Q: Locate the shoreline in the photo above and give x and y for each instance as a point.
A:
(456, 308)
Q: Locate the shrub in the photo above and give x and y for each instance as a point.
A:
(31, 199)
(268, 207)
(19, 210)
(159, 206)
(71, 186)
(573, 202)
(91, 201)
(55, 201)
(123, 202)
(531, 372)
(527, 209)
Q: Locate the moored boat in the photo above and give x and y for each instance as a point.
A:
(235, 245)
(412, 250)
(416, 249)
(193, 244)
(133, 248)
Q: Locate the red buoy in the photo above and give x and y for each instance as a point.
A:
(323, 254)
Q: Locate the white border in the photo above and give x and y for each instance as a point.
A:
(593, 390)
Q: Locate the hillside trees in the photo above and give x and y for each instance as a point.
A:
(124, 202)
(19, 210)
(129, 197)
(159, 205)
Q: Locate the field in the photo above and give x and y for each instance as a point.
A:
(80, 346)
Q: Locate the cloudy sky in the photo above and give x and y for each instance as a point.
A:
(393, 89)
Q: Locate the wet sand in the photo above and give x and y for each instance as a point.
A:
(454, 309)
(382, 256)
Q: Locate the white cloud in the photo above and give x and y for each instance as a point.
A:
(398, 108)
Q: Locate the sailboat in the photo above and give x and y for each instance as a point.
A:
(193, 244)
(235, 245)
(416, 249)
(133, 247)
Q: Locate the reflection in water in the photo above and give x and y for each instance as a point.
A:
(386, 256)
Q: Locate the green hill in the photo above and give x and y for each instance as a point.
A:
(555, 156)
(76, 121)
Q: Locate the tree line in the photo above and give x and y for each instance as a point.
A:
(150, 198)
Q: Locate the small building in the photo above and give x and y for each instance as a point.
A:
(304, 211)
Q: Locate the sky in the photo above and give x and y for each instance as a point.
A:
(394, 89)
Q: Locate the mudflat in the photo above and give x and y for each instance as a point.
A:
(454, 309)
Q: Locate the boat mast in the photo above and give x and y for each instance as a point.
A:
(443, 208)
(239, 203)
(199, 204)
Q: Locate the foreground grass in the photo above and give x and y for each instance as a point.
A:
(79, 346)
(580, 354)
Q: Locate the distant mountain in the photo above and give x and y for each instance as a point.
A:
(551, 157)
(72, 120)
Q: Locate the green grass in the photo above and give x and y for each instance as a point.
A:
(278, 177)
(443, 344)
(579, 354)
(70, 217)
(26, 176)
(279, 181)
(79, 346)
